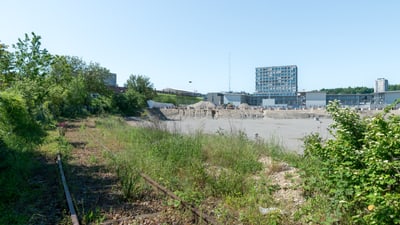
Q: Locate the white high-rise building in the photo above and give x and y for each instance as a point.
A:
(276, 80)
(381, 85)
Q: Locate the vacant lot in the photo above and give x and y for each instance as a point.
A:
(288, 132)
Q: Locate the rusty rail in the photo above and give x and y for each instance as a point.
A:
(153, 183)
(74, 216)
(201, 215)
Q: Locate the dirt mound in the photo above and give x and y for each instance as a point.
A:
(295, 114)
(202, 105)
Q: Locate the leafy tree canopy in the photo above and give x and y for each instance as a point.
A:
(394, 87)
(142, 85)
(30, 59)
(348, 90)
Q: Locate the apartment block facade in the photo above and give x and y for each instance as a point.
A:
(276, 81)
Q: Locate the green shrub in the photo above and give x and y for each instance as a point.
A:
(361, 165)
(18, 129)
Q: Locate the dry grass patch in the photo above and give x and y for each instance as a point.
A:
(288, 194)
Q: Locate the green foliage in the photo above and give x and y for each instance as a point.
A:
(78, 88)
(15, 191)
(349, 90)
(128, 102)
(360, 166)
(31, 61)
(36, 89)
(100, 105)
(142, 86)
(139, 90)
(93, 217)
(22, 187)
(394, 87)
(6, 74)
(94, 76)
(17, 127)
(166, 98)
(195, 167)
(176, 99)
(27, 73)
(76, 98)
(65, 86)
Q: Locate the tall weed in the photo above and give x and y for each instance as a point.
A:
(198, 167)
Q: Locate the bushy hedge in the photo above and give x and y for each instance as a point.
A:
(17, 127)
(361, 165)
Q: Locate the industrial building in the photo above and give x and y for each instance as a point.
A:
(276, 87)
(307, 100)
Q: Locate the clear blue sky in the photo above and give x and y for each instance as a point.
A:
(333, 43)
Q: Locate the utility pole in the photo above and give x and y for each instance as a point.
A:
(229, 71)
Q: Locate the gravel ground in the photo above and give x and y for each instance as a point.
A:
(288, 132)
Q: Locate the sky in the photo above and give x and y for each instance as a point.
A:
(215, 45)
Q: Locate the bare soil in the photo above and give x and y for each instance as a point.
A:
(286, 128)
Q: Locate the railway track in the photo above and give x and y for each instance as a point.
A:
(75, 218)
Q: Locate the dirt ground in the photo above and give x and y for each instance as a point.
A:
(285, 127)
(287, 132)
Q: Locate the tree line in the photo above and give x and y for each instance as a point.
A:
(38, 88)
(357, 90)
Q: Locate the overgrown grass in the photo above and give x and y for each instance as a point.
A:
(15, 192)
(24, 191)
(223, 175)
(200, 168)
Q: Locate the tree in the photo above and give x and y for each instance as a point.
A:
(139, 90)
(30, 60)
(61, 71)
(394, 87)
(348, 90)
(142, 85)
(6, 75)
(17, 127)
(94, 76)
(26, 72)
(78, 87)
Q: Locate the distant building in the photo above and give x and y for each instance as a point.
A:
(235, 98)
(315, 99)
(111, 80)
(276, 87)
(381, 85)
(222, 98)
(382, 99)
(352, 100)
(276, 81)
(216, 98)
(273, 101)
(180, 92)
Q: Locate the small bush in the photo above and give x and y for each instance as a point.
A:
(18, 129)
(360, 165)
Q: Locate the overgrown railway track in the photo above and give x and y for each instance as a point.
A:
(75, 218)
